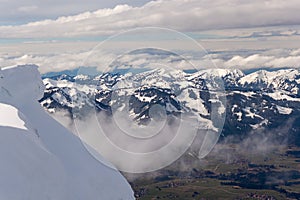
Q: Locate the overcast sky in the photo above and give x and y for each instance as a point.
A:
(107, 17)
(14, 12)
(46, 32)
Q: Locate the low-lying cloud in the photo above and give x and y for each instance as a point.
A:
(276, 58)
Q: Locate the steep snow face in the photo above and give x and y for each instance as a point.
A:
(40, 159)
(28, 170)
(21, 84)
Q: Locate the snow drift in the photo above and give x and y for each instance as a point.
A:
(40, 159)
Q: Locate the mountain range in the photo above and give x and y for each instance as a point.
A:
(229, 100)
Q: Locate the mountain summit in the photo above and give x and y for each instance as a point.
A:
(258, 101)
(40, 159)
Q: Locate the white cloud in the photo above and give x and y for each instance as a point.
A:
(181, 15)
(49, 62)
(13, 11)
(251, 61)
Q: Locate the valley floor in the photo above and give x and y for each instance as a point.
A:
(227, 175)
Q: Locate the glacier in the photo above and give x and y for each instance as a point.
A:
(40, 159)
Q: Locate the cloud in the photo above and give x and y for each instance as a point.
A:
(27, 8)
(13, 11)
(49, 61)
(187, 15)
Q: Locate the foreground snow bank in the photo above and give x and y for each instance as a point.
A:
(40, 159)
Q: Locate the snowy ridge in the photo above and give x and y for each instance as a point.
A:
(175, 90)
(269, 76)
(261, 99)
(286, 79)
(40, 159)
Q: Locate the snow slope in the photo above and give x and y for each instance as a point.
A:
(11, 117)
(40, 159)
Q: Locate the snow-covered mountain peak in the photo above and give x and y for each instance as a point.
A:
(285, 79)
(268, 76)
(81, 77)
(290, 74)
(219, 73)
(225, 72)
(158, 77)
(17, 82)
(271, 95)
(40, 159)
